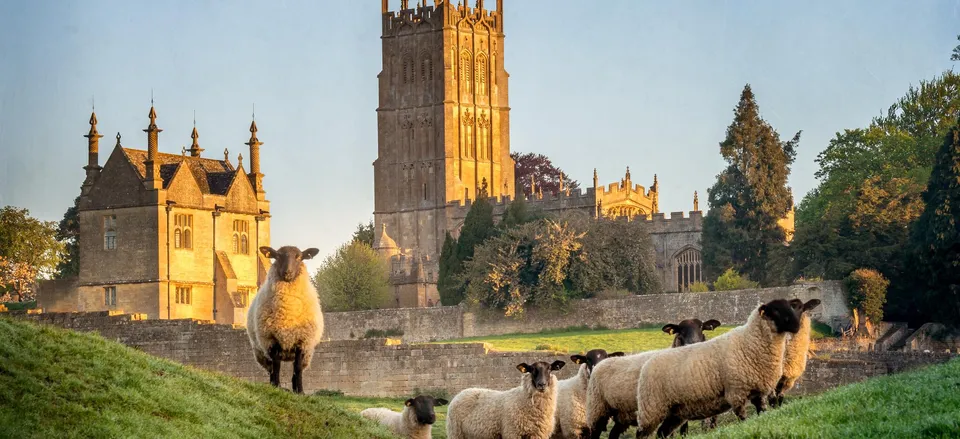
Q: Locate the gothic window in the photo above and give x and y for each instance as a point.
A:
(110, 232)
(689, 269)
(481, 74)
(424, 192)
(426, 68)
(183, 231)
(184, 295)
(239, 239)
(466, 79)
(110, 296)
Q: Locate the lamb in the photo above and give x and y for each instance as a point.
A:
(795, 352)
(526, 411)
(414, 422)
(611, 391)
(571, 420)
(285, 322)
(709, 378)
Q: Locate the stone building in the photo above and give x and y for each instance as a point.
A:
(444, 133)
(168, 235)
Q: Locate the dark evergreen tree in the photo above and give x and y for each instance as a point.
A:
(68, 233)
(936, 235)
(364, 233)
(750, 197)
(450, 267)
(477, 227)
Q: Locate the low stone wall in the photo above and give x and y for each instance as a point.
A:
(445, 323)
(380, 367)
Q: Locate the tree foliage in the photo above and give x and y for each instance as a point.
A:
(936, 235)
(730, 280)
(364, 233)
(617, 255)
(956, 52)
(867, 292)
(750, 196)
(545, 174)
(353, 278)
(16, 278)
(68, 233)
(29, 247)
(477, 227)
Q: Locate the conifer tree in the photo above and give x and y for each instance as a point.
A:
(477, 227)
(750, 196)
(936, 234)
(450, 266)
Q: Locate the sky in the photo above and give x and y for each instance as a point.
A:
(605, 85)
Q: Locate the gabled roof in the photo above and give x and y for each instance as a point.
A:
(212, 176)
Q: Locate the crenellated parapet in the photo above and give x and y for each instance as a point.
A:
(439, 15)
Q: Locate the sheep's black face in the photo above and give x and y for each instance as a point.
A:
(593, 357)
(690, 331)
(288, 260)
(423, 406)
(782, 314)
(540, 372)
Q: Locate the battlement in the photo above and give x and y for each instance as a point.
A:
(442, 13)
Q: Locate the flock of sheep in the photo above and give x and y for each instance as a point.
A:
(694, 379)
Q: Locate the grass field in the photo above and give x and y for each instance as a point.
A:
(58, 383)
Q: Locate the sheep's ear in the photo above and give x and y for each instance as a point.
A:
(616, 354)
(557, 365)
(762, 310)
(440, 401)
(268, 252)
(670, 329)
(578, 359)
(408, 402)
(811, 304)
(523, 367)
(309, 253)
(710, 325)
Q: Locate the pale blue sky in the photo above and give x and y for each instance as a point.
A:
(597, 84)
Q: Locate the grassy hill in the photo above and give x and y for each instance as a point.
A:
(58, 383)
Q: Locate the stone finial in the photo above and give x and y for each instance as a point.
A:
(226, 155)
(195, 148)
(533, 186)
(183, 151)
(118, 138)
(696, 202)
(240, 160)
(561, 181)
(627, 176)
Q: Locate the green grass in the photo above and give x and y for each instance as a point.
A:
(58, 383)
(923, 403)
(356, 404)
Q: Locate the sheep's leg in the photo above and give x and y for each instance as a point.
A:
(760, 403)
(599, 427)
(644, 430)
(275, 364)
(670, 424)
(298, 361)
(618, 429)
(683, 428)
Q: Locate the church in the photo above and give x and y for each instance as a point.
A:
(171, 236)
(444, 133)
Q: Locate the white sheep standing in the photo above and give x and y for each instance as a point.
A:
(525, 412)
(795, 352)
(285, 322)
(706, 379)
(571, 417)
(414, 422)
(611, 392)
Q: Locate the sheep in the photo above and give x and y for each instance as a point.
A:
(284, 321)
(795, 352)
(706, 379)
(611, 391)
(571, 419)
(414, 422)
(526, 411)
(688, 332)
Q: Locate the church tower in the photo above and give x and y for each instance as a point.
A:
(443, 119)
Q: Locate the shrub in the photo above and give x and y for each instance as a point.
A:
(378, 333)
(699, 287)
(867, 291)
(731, 280)
(353, 278)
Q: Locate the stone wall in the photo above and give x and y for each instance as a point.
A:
(379, 367)
(445, 323)
(58, 295)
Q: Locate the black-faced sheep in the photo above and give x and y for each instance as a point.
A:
(611, 392)
(706, 379)
(414, 422)
(525, 412)
(285, 322)
(687, 332)
(795, 352)
(572, 396)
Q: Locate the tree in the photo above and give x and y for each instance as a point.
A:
(617, 254)
(518, 212)
(545, 174)
(364, 233)
(68, 233)
(29, 246)
(750, 196)
(936, 235)
(353, 278)
(956, 52)
(867, 291)
(477, 227)
(16, 278)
